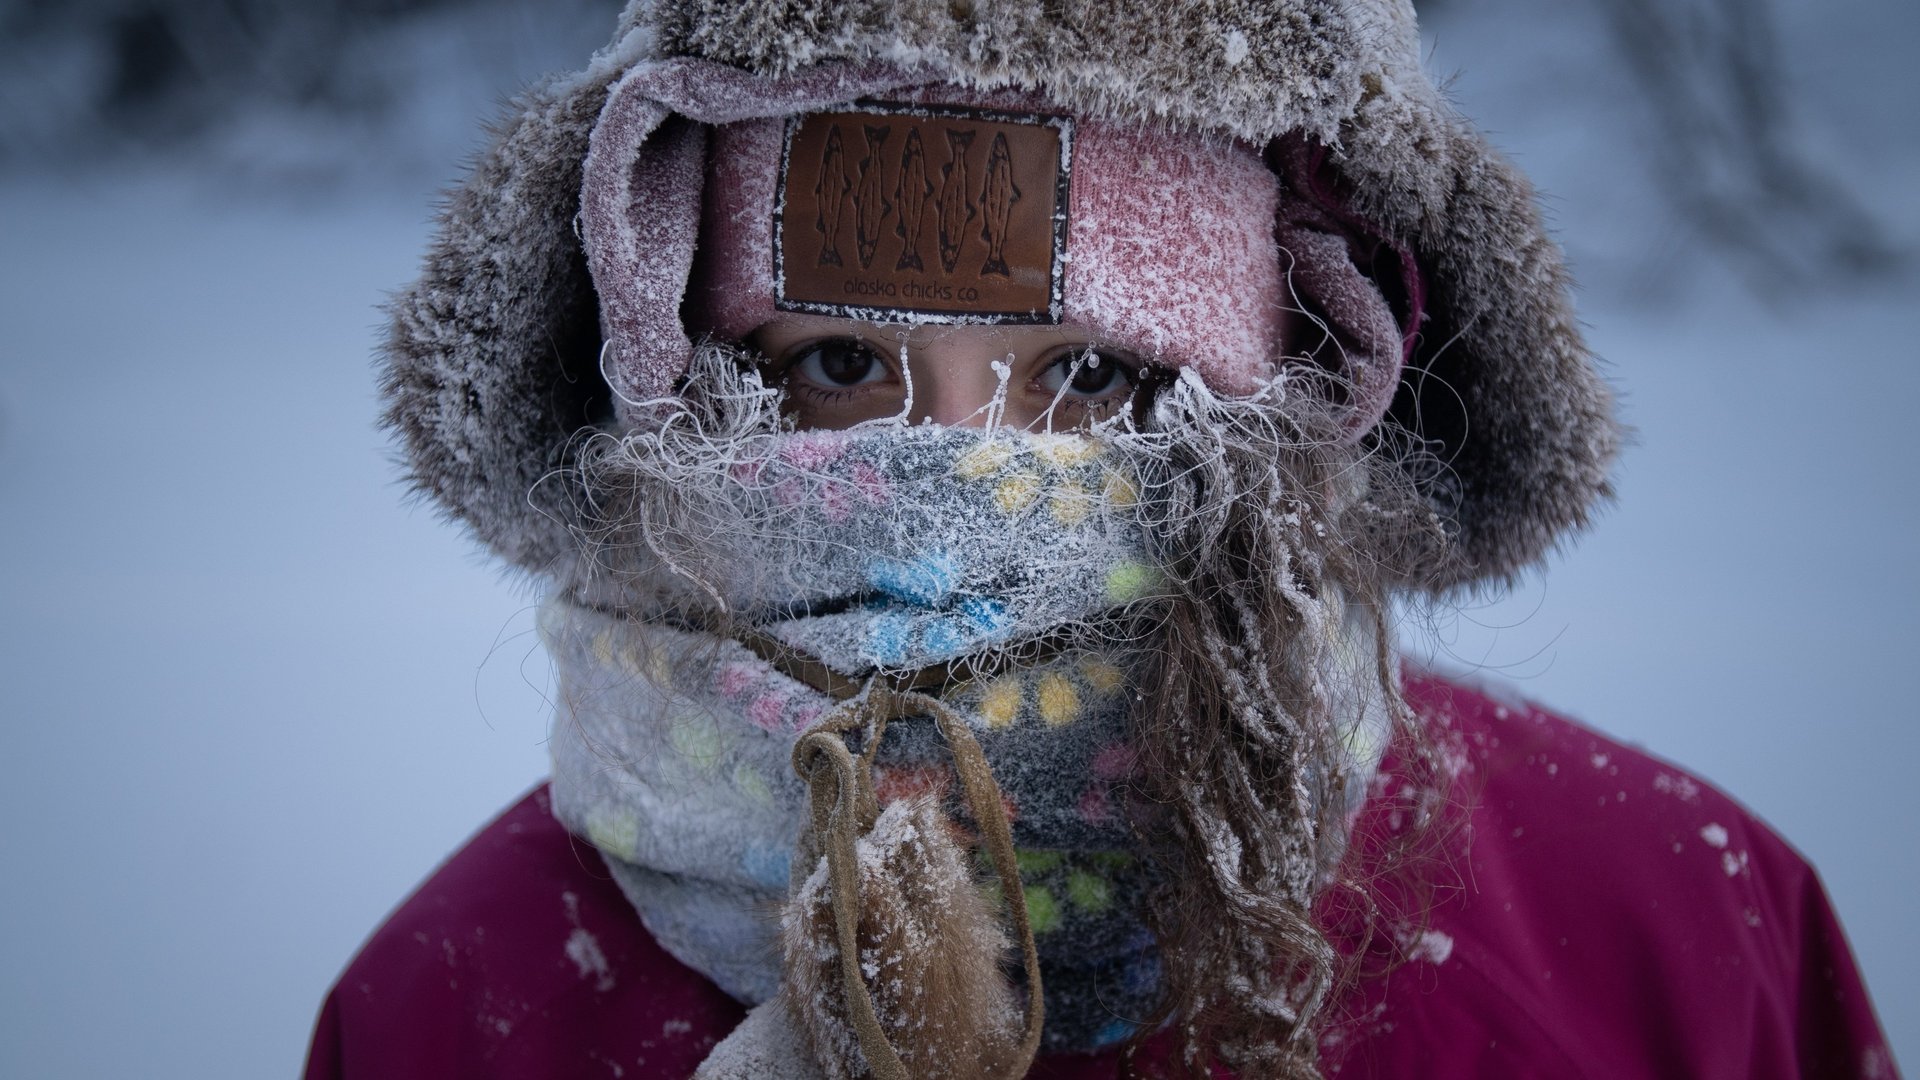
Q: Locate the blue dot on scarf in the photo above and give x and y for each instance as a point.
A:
(948, 636)
(887, 639)
(926, 581)
(988, 616)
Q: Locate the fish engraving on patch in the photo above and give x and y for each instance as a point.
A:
(870, 206)
(881, 228)
(829, 195)
(911, 192)
(997, 197)
(955, 208)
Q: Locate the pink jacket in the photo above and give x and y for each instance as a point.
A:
(1616, 918)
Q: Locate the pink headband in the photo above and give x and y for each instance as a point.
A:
(1179, 247)
(1167, 248)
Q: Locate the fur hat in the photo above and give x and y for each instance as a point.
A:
(494, 361)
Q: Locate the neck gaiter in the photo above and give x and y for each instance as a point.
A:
(1007, 572)
(891, 550)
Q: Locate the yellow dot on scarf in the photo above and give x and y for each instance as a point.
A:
(603, 647)
(698, 739)
(1066, 450)
(1130, 581)
(1071, 503)
(1016, 492)
(630, 661)
(1119, 491)
(982, 461)
(752, 784)
(1366, 735)
(1043, 911)
(1102, 676)
(1036, 862)
(1001, 703)
(613, 832)
(1089, 892)
(1059, 701)
(659, 669)
(640, 660)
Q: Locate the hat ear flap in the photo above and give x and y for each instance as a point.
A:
(640, 197)
(1490, 413)
(640, 220)
(1354, 296)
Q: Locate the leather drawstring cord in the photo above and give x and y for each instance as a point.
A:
(844, 809)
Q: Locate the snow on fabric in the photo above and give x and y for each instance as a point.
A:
(672, 748)
(888, 549)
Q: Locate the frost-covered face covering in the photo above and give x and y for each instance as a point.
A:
(763, 578)
(890, 551)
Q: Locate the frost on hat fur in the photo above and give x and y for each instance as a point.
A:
(492, 364)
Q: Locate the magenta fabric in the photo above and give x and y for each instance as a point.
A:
(1611, 916)
(1606, 915)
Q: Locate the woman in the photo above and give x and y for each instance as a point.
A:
(967, 565)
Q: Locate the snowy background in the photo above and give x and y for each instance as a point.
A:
(251, 696)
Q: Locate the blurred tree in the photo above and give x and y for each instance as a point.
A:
(163, 69)
(83, 78)
(155, 73)
(1715, 83)
(1717, 75)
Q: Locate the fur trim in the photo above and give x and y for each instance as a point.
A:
(492, 363)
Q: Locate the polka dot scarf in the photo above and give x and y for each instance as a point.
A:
(886, 551)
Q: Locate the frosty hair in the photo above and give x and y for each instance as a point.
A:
(1259, 511)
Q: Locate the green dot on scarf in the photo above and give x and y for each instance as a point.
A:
(1036, 862)
(1130, 580)
(1043, 912)
(1088, 892)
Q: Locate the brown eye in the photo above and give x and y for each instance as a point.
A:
(836, 363)
(1088, 373)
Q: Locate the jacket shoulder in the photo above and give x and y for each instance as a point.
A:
(1619, 915)
(517, 958)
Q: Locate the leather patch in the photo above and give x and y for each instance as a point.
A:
(934, 213)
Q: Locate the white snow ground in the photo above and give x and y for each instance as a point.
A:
(252, 697)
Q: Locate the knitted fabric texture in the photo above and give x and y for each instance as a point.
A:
(896, 547)
(892, 550)
(1218, 300)
(672, 748)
